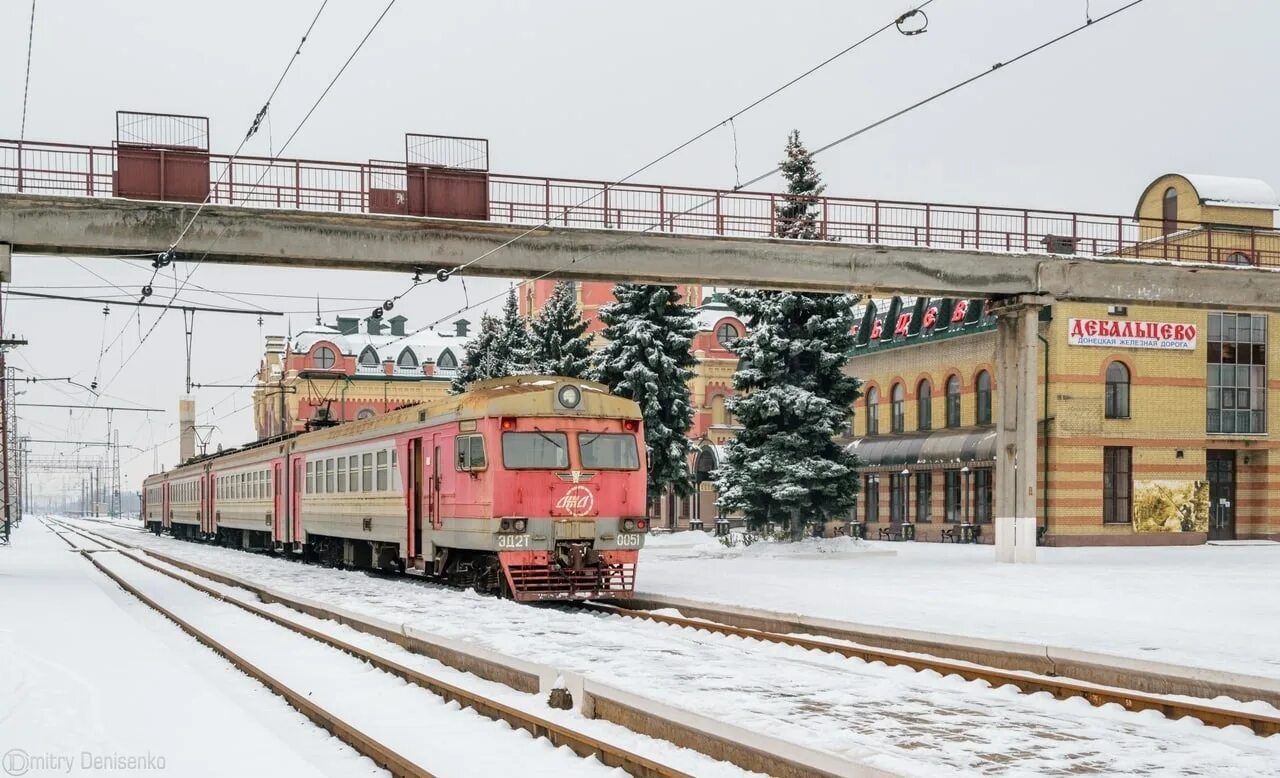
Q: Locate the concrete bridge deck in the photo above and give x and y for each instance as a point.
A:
(88, 226)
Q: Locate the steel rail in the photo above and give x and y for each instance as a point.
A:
(1060, 688)
(583, 745)
(383, 756)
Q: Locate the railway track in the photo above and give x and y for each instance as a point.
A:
(866, 706)
(397, 764)
(1029, 683)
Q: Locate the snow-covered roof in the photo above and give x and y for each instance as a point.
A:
(1223, 191)
(711, 313)
(428, 344)
(1233, 192)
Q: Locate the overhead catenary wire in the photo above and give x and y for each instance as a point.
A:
(896, 22)
(258, 183)
(26, 81)
(833, 144)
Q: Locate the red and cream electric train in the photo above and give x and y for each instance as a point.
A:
(532, 486)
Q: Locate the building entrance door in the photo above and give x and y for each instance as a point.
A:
(1222, 494)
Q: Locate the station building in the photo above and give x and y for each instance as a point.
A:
(346, 371)
(1158, 425)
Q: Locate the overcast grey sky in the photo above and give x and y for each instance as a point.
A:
(593, 90)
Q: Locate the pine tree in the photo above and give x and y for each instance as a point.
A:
(792, 398)
(511, 345)
(500, 349)
(647, 358)
(797, 215)
(557, 343)
(477, 362)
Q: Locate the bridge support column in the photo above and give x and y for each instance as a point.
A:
(1017, 361)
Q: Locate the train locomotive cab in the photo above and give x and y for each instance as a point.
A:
(561, 465)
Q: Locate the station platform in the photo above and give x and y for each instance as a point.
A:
(92, 682)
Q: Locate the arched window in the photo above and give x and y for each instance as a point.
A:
(953, 401)
(369, 356)
(407, 359)
(365, 413)
(924, 405)
(1117, 394)
(1170, 211)
(324, 358)
(1238, 258)
(726, 334)
(983, 382)
(873, 411)
(447, 360)
(898, 413)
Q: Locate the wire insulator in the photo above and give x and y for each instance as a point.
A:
(388, 305)
(924, 23)
(442, 275)
(377, 313)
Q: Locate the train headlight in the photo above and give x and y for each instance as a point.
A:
(519, 525)
(569, 396)
(628, 525)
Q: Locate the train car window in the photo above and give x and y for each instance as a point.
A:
(608, 451)
(535, 450)
(311, 477)
(270, 493)
(319, 476)
(342, 474)
(470, 450)
(329, 472)
(353, 473)
(383, 478)
(366, 460)
(395, 472)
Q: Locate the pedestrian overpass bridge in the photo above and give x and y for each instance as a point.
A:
(442, 208)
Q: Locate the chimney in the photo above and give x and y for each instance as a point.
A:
(373, 326)
(186, 428)
(461, 327)
(348, 325)
(397, 324)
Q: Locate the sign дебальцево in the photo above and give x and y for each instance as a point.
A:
(1132, 334)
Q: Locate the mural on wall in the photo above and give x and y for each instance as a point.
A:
(1171, 506)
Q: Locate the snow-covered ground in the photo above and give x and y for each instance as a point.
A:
(1206, 606)
(88, 672)
(912, 723)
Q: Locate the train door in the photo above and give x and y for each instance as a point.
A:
(166, 513)
(437, 520)
(277, 497)
(416, 496)
(295, 530)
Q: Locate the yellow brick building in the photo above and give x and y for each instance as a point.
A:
(1158, 424)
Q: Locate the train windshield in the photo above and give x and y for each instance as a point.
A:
(535, 450)
(608, 451)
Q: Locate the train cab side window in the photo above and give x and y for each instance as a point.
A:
(383, 479)
(470, 452)
(311, 477)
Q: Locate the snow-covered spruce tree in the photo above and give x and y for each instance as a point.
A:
(648, 333)
(792, 398)
(499, 349)
(797, 215)
(477, 362)
(557, 344)
(511, 345)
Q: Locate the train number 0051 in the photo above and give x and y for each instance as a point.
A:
(628, 540)
(513, 541)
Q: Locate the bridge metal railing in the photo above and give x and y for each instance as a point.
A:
(382, 187)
